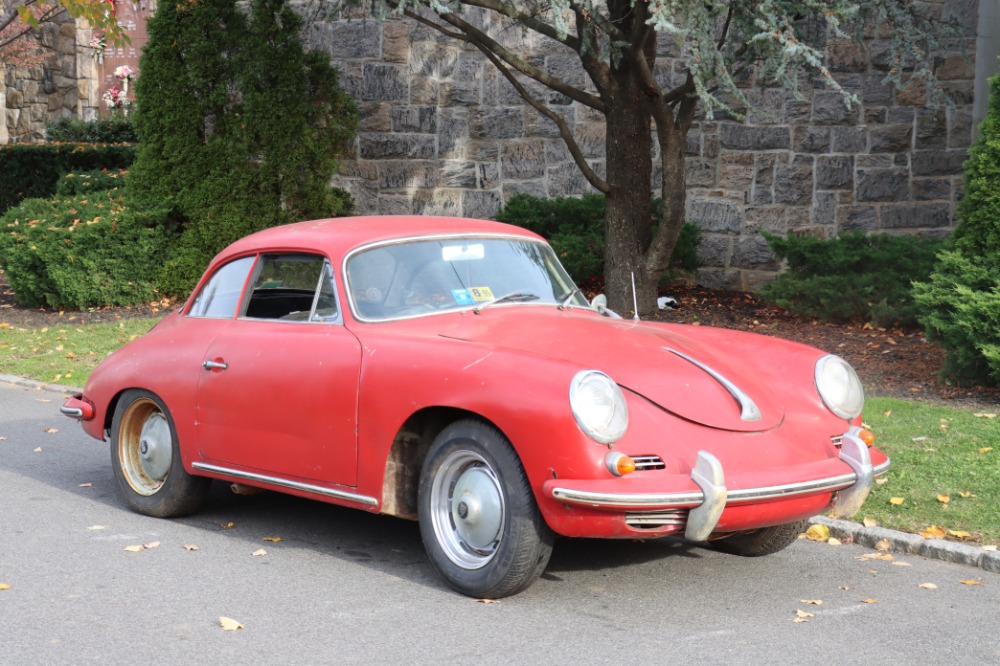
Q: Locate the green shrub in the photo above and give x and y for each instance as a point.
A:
(83, 251)
(574, 227)
(68, 129)
(82, 182)
(851, 277)
(32, 171)
(961, 300)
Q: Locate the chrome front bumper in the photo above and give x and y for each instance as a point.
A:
(707, 504)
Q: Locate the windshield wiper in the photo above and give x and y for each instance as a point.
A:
(569, 297)
(513, 297)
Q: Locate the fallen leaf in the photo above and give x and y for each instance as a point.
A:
(51, 430)
(944, 499)
(272, 539)
(927, 586)
(918, 439)
(986, 449)
(258, 553)
(883, 545)
(97, 527)
(42, 400)
(4, 586)
(881, 481)
(86, 485)
(802, 613)
(869, 522)
(961, 534)
(229, 624)
(38, 450)
(818, 533)
(934, 532)
(965, 494)
(134, 549)
(3, 439)
(896, 501)
(811, 602)
(488, 601)
(971, 581)
(887, 414)
(798, 620)
(154, 544)
(902, 564)
(227, 526)
(869, 601)
(833, 541)
(985, 415)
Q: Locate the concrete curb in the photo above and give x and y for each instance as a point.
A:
(41, 386)
(913, 544)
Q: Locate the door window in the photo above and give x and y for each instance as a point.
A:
(292, 287)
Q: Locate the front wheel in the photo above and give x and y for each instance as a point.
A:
(146, 459)
(478, 517)
(760, 542)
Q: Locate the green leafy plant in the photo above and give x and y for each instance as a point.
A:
(83, 251)
(82, 182)
(574, 227)
(961, 299)
(113, 129)
(851, 277)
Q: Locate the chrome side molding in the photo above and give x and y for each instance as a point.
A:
(286, 483)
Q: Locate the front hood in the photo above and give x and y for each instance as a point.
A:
(717, 385)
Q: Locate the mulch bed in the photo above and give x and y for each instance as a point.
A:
(891, 362)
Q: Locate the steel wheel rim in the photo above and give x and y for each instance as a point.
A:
(145, 447)
(468, 511)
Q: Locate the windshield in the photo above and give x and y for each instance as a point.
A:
(420, 277)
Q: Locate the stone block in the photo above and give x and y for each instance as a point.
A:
(407, 174)
(962, 93)
(466, 87)
(396, 146)
(458, 174)
(347, 40)
(395, 204)
(520, 160)
(384, 83)
(890, 138)
(806, 139)
(483, 151)
(744, 137)
(438, 202)
(899, 542)
(931, 189)
(720, 278)
(567, 180)
(482, 204)
(487, 176)
(846, 56)
(960, 125)
(825, 208)
(505, 123)
(535, 124)
(938, 162)
(874, 161)
(848, 140)
(834, 172)
(375, 116)
(830, 108)
(932, 129)
(990, 561)
(699, 172)
(535, 188)
(715, 249)
(856, 218)
(793, 183)
(916, 216)
(713, 216)
(15, 98)
(772, 219)
(882, 185)
(954, 66)
(874, 92)
(796, 111)
(395, 41)
(949, 551)
(417, 119)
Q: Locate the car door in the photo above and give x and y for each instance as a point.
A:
(278, 394)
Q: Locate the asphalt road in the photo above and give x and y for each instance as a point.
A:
(346, 587)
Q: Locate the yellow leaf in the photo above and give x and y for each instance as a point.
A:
(833, 541)
(869, 601)
(272, 539)
(799, 619)
(944, 499)
(965, 494)
(487, 601)
(811, 602)
(927, 586)
(934, 532)
(961, 534)
(258, 553)
(154, 544)
(802, 613)
(986, 449)
(96, 527)
(4, 586)
(984, 415)
(869, 522)
(229, 624)
(38, 450)
(896, 501)
(818, 533)
(228, 526)
(190, 546)
(971, 581)
(52, 430)
(883, 544)
(902, 564)
(134, 549)
(887, 414)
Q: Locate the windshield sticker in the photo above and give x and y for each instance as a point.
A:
(472, 295)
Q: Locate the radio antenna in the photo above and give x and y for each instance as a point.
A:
(635, 299)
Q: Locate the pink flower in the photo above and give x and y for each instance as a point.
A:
(124, 72)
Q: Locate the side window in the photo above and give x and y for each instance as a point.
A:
(221, 294)
(292, 287)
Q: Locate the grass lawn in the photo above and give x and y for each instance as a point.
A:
(945, 468)
(64, 354)
(945, 460)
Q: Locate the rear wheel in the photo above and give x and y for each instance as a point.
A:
(146, 459)
(478, 518)
(760, 542)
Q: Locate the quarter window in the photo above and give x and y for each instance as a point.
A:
(221, 294)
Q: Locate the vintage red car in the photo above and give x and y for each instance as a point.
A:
(448, 370)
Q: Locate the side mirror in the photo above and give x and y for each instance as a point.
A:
(600, 303)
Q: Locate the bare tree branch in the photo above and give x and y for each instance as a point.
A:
(527, 20)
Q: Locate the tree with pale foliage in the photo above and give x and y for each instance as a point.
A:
(727, 47)
(18, 18)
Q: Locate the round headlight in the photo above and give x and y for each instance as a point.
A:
(839, 387)
(598, 406)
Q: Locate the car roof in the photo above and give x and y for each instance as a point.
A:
(339, 235)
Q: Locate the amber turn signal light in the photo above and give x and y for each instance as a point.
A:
(867, 436)
(619, 464)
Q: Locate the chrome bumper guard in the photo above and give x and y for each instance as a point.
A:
(850, 490)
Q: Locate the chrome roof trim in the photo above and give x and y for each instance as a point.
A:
(285, 483)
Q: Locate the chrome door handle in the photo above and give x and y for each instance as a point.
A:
(215, 365)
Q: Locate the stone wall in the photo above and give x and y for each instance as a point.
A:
(443, 133)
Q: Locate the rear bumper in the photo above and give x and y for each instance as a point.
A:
(706, 504)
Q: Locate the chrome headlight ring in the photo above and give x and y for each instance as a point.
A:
(839, 387)
(598, 406)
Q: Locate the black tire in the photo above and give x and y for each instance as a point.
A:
(493, 542)
(146, 459)
(760, 542)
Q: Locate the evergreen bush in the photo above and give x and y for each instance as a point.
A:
(83, 251)
(574, 227)
(961, 300)
(82, 182)
(114, 129)
(851, 277)
(240, 128)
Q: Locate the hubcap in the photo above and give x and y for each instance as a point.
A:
(145, 447)
(467, 509)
